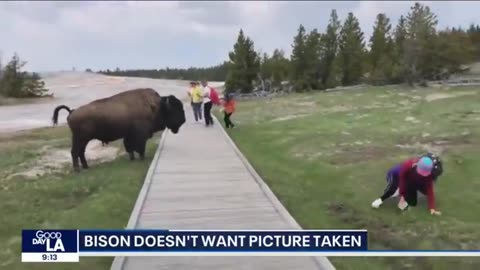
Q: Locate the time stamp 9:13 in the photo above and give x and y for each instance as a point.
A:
(49, 257)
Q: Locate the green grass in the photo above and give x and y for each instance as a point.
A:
(100, 197)
(328, 164)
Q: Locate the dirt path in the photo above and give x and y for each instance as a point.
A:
(54, 159)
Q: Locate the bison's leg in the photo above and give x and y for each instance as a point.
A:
(76, 148)
(141, 143)
(141, 137)
(83, 160)
(127, 142)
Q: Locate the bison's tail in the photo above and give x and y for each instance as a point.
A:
(55, 113)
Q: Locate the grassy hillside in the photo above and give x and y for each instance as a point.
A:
(325, 156)
(100, 197)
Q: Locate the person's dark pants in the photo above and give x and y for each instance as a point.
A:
(410, 189)
(197, 110)
(226, 118)
(207, 107)
(392, 186)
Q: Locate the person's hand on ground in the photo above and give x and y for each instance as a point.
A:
(402, 204)
(435, 212)
(377, 203)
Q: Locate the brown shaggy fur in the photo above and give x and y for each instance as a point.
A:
(133, 115)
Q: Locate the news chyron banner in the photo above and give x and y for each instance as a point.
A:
(69, 245)
(50, 245)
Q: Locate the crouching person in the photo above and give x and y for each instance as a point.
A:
(413, 175)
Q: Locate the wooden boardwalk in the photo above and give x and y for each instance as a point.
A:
(200, 180)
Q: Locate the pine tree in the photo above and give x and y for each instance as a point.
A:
(244, 65)
(381, 51)
(352, 51)
(266, 71)
(33, 86)
(398, 52)
(279, 65)
(299, 61)
(312, 51)
(456, 49)
(266, 67)
(1, 68)
(2, 90)
(329, 68)
(474, 35)
(253, 65)
(19, 84)
(420, 53)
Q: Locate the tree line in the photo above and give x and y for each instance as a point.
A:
(215, 73)
(411, 51)
(20, 84)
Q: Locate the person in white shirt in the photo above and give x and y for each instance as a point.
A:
(207, 104)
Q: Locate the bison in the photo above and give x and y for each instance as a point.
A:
(134, 115)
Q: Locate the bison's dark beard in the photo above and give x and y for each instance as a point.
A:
(172, 113)
(175, 126)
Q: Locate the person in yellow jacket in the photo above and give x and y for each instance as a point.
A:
(196, 96)
(189, 92)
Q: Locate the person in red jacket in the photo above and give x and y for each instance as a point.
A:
(228, 110)
(406, 179)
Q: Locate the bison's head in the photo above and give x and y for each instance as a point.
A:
(172, 113)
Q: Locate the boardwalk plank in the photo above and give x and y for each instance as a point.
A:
(200, 182)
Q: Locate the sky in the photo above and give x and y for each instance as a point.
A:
(56, 35)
